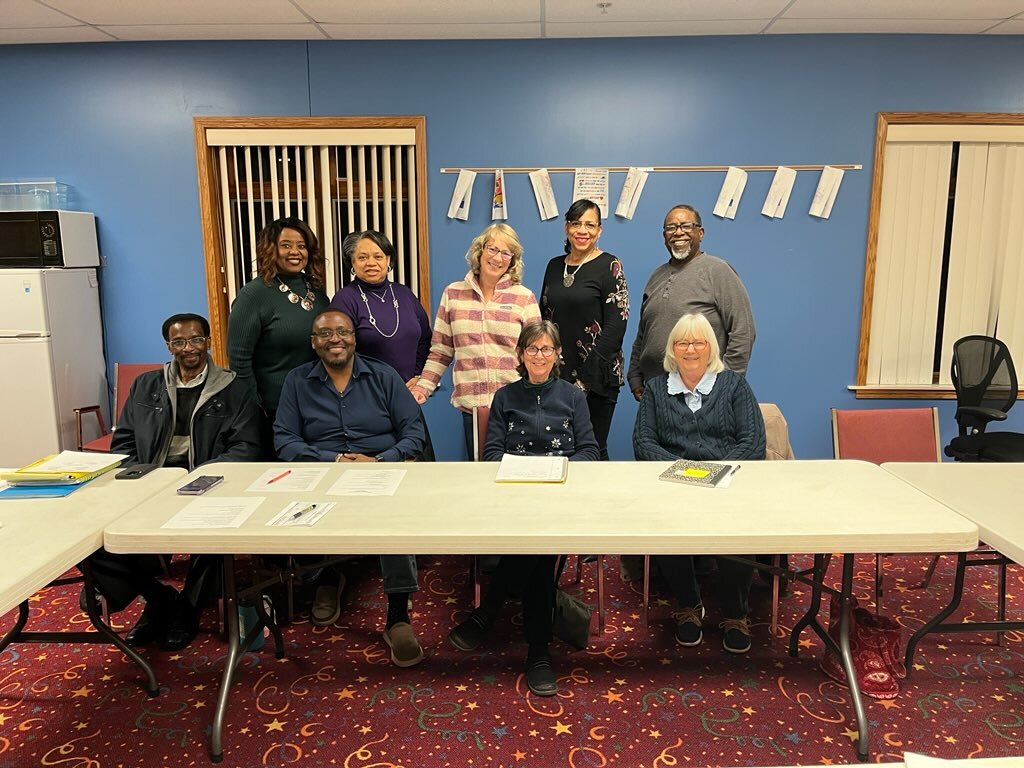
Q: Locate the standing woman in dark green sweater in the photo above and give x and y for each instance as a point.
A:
(700, 410)
(272, 316)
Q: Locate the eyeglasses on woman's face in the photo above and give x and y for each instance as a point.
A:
(588, 226)
(534, 351)
(197, 342)
(699, 345)
(495, 252)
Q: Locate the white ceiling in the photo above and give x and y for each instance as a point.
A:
(75, 21)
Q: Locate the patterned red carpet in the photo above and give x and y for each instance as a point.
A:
(633, 698)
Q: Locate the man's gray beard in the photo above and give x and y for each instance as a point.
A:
(683, 254)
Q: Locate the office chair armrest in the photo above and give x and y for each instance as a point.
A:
(988, 414)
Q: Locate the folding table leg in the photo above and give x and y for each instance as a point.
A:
(845, 623)
(234, 656)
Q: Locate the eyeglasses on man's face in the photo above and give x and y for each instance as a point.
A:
(326, 334)
(685, 226)
(699, 345)
(533, 351)
(589, 226)
(197, 342)
(494, 251)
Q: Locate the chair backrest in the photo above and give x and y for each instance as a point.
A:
(881, 435)
(776, 433)
(983, 373)
(481, 415)
(124, 375)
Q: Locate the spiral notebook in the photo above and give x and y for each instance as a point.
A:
(698, 473)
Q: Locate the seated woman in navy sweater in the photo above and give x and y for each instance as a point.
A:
(540, 415)
(699, 410)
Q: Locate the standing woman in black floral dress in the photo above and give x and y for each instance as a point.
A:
(585, 295)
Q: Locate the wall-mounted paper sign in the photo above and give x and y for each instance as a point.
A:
(732, 190)
(592, 184)
(545, 195)
(825, 194)
(499, 208)
(778, 193)
(632, 188)
(462, 196)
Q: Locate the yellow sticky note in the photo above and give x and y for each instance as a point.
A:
(696, 474)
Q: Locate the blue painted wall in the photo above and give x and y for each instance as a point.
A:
(114, 121)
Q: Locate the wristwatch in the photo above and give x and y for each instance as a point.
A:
(380, 457)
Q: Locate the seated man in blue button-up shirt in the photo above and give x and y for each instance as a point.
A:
(343, 408)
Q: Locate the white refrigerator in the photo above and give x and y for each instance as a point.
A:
(51, 360)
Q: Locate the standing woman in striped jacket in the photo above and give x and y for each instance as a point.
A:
(479, 319)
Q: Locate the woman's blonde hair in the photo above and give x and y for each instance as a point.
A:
(694, 327)
(476, 249)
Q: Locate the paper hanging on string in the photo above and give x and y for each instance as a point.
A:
(778, 193)
(462, 196)
(592, 184)
(732, 190)
(540, 180)
(499, 208)
(632, 188)
(825, 194)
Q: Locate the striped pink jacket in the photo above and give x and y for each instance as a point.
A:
(480, 339)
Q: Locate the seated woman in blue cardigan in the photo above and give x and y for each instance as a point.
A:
(698, 410)
(539, 415)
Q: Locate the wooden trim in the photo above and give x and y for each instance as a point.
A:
(422, 228)
(953, 118)
(896, 393)
(664, 168)
(216, 296)
(881, 129)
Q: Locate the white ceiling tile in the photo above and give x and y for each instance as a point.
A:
(1013, 27)
(215, 32)
(885, 26)
(661, 10)
(28, 13)
(147, 12)
(433, 31)
(52, 35)
(405, 12)
(654, 28)
(904, 9)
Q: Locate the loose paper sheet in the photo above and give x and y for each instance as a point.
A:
(215, 512)
(778, 193)
(296, 481)
(540, 180)
(825, 194)
(368, 482)
(531, 469)
(632, 188)
(304, 513)
(732, 190)
(462, 196)
(592, 184)
(499, 207)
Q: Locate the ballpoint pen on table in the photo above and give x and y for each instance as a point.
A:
(279, 477)
(301, 512)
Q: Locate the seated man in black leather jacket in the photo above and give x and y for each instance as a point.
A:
(187, 414)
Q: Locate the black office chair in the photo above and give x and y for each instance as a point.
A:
(986, 388)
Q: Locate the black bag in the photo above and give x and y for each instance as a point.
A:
(572, 620)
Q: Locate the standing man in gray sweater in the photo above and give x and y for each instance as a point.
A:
(691, 281)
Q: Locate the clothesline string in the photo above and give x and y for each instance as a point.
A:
(664, 168)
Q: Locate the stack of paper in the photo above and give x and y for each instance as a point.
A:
(64, 468)
(532, 469)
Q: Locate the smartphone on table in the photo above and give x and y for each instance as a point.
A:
(200, 485)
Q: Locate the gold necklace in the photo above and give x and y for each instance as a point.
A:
(306, 302)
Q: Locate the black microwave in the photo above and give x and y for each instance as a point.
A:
(36, 239)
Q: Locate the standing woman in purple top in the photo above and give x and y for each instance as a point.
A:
(391, 324)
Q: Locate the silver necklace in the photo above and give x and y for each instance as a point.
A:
(369, 312)
(568, 278)
(306, 302)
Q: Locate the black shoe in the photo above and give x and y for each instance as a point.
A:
(540, 676)
(736, 638)
(688, 628)
(470, 634)
(155, 618)
(181, 630)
